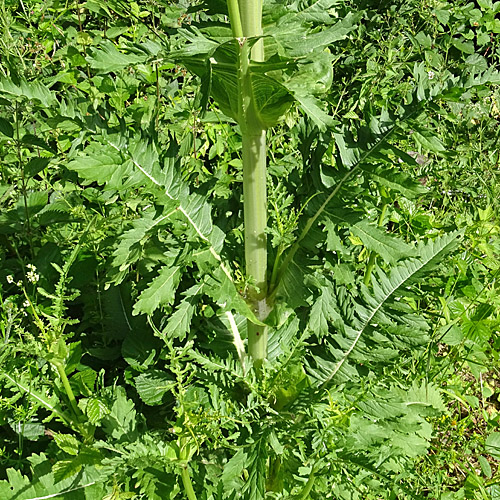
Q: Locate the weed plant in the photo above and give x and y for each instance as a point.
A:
(249, 250)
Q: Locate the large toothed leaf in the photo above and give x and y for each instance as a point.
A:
(101, 164)
(389, 247)
(107, 58)
(333, 363)
(44, 482)
(178, 324)
(160, 292)
(12, 87)
(153, 385)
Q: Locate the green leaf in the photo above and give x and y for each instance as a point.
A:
(30, 90)
(255, 486)
(107, 58)
(96, 409)
(6, 128)
(35, 166)
(99, 163)
(389, 247)
(492, 445)
(485, 466)
(178, 324)
(222, 290)
(323, 311)
(424, 395)
(33, 140)
(31, 430)
(395, 179)
(67, 443)
(43, 484)
(65, 469)
(428, 140)
(50, 402)
(233, 470)
(160, 292)
(153, 385)
(121, 422)
(131, 243)
(325, 368)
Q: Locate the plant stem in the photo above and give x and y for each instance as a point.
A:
(235, 18)
(304, 494)
(188, 485)
(23, 184)
(67, 387)
(373, 255)
(246, 22)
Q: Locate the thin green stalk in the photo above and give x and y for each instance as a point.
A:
(69, 391)
(373, 255)
(235, 18)
(188, 485)
(23, 183)
(304, 494)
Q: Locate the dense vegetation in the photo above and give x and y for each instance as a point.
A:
(125, 294)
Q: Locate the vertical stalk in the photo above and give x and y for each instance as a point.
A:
(69, 392)
(186, 482)
(246, 22)
(23, 183)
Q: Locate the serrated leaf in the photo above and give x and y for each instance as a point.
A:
(222, 290)
(160, 292)
(390, 248)
(67, 443)
(65, 469)
(323, 311)
(30, 90)
(107, 58)
(396, 180)
(426, 394)
(44, 485)
(31, 430)
(255, 486)
(35, 165)
(179, 322)
(50, 402)
(96, 409)
(121, 421)
(98, 163)
(233, 469)
(372, 310)
(153, 385)
(428, 140)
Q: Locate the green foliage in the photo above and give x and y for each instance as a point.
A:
(124, 297)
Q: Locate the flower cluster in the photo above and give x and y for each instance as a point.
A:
(32, 275)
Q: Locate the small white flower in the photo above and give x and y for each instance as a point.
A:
(19, 283)
(430, 74)
(26, 303)
(10, 278)
(32, 276)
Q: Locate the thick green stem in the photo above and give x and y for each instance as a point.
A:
(188, 485)
(249, 16)
(255, 209)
